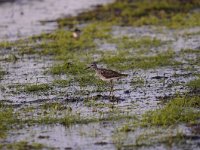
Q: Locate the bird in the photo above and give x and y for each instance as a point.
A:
(106, 74)
(76, 33)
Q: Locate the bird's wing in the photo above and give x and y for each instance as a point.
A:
(110, 73)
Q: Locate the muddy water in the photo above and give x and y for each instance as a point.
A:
(76, 137)
(31, 69)
(17, 19)
(134, 98)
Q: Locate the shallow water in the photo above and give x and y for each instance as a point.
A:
(17, 19)
(134, 99)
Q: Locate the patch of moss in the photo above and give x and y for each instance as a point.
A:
(7, 119)
(172, 13)
(195, 84)
(69, 68)
(126, 128)
(190, 51)
(53, 106)
(124, 61)
(12, 58)
(5, 44)
(98, 30)
(70, 117)
(37, 87)
(155, 136)
(191, 33)
(76, 72)
(23, 145)
(176, 111)
(61, 83)
(64, 46)
(111, 117)
(2, 73)
(131, 43)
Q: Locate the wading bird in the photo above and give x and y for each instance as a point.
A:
(107, 75)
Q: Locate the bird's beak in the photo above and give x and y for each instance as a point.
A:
(87, 68)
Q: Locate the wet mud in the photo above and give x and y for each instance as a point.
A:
(29, 86)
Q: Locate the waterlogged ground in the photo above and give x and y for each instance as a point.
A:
(18, 21)
(54, 103)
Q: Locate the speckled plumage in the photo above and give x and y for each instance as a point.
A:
(105, 74)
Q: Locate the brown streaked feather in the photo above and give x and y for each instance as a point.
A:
(110, 73)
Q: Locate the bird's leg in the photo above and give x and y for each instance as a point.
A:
(111, 88)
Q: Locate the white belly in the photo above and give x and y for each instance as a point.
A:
(105, 79)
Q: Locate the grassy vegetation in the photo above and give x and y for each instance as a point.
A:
(22, 145)
(61, 83)
(9, 58)
(176, 111)
(191, 56)
(145, 62)
(59, 43)
(154, 136)
(167, 13)
(37, 87)
(53, 106)
(76, 54)
(54, 113)
(7, 119)
(70, 117)
(195, 84)
(190, 51)
(171, 13)
(2, 73)
(5, 44)
(150, 138)
(76, 73)
(132, 43)
(160, 126)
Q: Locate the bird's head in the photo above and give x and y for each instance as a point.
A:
(92, 66)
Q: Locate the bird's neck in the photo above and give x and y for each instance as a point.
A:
(96, 69)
